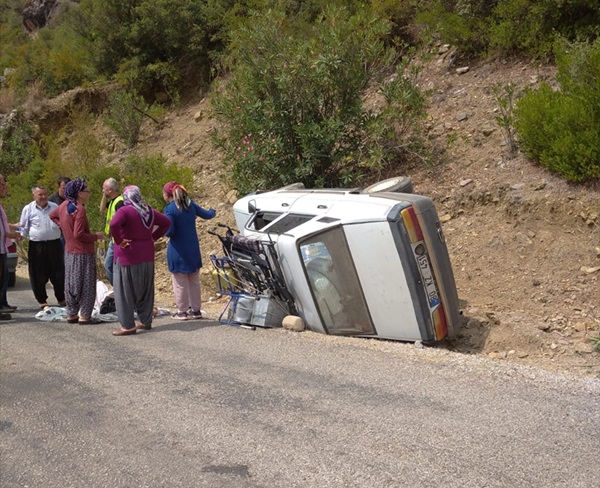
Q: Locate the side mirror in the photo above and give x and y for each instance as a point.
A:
(252, 207)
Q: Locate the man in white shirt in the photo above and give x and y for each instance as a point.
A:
(45, 253)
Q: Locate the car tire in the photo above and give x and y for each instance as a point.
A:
(12, 278)
(293, 186)
(398, 184)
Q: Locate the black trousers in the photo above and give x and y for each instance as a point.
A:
(47, 263)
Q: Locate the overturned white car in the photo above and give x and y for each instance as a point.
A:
(365, 262)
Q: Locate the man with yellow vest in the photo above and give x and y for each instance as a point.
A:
(112, 200)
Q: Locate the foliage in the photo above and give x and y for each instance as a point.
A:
(17, 150)
(505, 96)
(532, 26)
(151, 174)
(124, 115)
(461, 23)
(561, 129)
(293, 108)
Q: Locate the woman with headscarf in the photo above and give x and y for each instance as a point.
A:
(80, 255)
(135, 227)
(183, 252)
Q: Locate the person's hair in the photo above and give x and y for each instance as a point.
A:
(62, 179)
(35, 187)
(112, 183)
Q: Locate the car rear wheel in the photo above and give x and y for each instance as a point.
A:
(398, 184)
(12, 278)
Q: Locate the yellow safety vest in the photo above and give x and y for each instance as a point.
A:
(110, 212)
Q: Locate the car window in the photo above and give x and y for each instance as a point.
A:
(262, 219)
(334, 283)
(287, 222)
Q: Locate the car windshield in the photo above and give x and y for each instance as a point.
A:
(334, 283)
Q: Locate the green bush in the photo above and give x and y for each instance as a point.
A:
(124, 115)
(561, 129)
(292, 108)
(532, 26)
(18, 148)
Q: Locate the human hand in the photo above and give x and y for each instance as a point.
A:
(99, 235)
(125, 243)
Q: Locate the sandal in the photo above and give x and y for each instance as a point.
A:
(143, 327)
(73, 320)
(90, 321)
(123, 332)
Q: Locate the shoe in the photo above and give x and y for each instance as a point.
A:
(7, 309)
(62, 304)
(5, 316)
(123, 332)
(194, 314)
(73, 320)
(89, 321)
(180, 316)
(143, 327)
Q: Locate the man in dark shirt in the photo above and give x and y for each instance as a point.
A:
(59, 196)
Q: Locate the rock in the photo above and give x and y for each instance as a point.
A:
(232, 196)
(461, 116)
(588, 270)
(445, 218)
(198, 116)
(584, 348)
(545, 327)
(487, 131)
(465, 182)
(462, 70)
(444, 48)
(294, 323)
(536, 282)
(517, 186)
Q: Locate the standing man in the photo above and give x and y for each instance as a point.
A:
(112, 200)
(45, 253)
(6, 234)
(59, 196)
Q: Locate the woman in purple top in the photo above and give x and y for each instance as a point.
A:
(135, 227)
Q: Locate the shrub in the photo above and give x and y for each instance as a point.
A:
(561, 129)
(17, 145)
(124, 115)
(531, 26)
(292, 108)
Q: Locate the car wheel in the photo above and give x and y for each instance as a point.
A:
(398, 184)
(12, 278)
(293, 186)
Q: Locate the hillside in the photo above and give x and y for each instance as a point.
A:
(525, 245)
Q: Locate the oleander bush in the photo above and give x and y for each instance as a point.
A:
(561, 129)
(293, 109)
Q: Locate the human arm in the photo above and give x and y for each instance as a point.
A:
(203, 213)
(169, 213)
(81, 227)
(104, 203)
(24, 221)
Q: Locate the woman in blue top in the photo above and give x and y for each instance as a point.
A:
(183, 251)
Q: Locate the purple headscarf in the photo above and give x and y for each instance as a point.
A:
(132, 196)
(72, 192)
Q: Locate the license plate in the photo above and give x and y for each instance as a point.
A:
(428, 281)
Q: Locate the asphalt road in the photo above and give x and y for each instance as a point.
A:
(198, 404)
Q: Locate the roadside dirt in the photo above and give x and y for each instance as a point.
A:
(525, 245)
